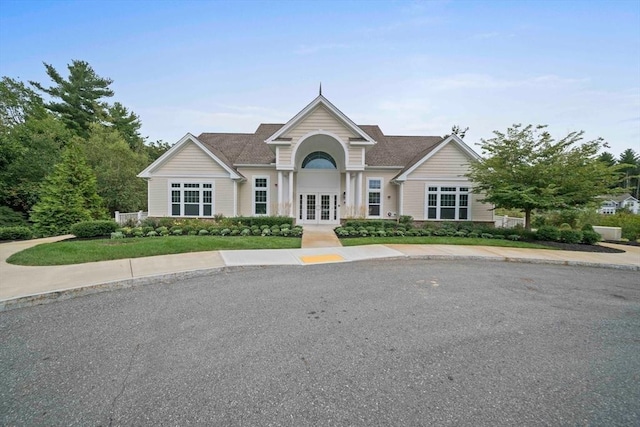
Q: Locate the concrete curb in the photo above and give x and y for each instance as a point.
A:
(65, 294)
(80, 291)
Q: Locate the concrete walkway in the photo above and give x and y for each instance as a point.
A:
(22, 285)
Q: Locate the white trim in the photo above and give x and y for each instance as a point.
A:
(438, 207)
(148, 172)
(235, 198)
(307, 110)
(280, 192)
(192, 176)
(303, 138)
(401, 199)
(182, 189)
(253, 194)
(254, 165)
(456, 180)
(376, 190)
(451, 138)
(292, 202)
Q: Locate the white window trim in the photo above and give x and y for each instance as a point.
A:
(201, 189)
(369, 179)
(253, 194)
(457, 206)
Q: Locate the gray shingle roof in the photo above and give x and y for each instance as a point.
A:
(245, 148)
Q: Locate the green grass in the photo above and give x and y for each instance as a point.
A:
(439, 240)
(80, 251)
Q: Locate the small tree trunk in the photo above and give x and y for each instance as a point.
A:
(527, 219)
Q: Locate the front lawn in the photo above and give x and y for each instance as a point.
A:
(438, 240)
(80, 251)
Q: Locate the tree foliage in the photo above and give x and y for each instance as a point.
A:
(127, 123)
(116, 167)
(526, 169)
(68, 195)
(79, 98)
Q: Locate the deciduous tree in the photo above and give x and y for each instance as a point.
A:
(526, 169)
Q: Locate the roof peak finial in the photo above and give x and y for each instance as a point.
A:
(320, 91)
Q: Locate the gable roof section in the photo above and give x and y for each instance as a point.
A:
(243, 148)
(213, 152)
(364, 138)
(395, 150)
(429, 152)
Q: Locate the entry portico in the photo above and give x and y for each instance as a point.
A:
(319, 167)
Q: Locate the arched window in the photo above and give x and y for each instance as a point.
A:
(318, 160)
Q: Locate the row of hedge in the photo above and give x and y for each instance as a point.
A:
(226, 222)
(284, 230)
(363, 228)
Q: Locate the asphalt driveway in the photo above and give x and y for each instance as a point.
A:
(391, 342)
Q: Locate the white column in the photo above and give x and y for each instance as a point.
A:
(235, 198)
(401, 199)
(280, 184)
(291, 201)
(359, 193)
(347, 191)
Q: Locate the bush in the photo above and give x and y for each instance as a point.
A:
(117, 235)
(571, 236)
(151, 234)
(15, 233)
(629, 223)
(11, 218)
(163, 231)
(587, 227)
(86, 229)
(590, 237)
(513, 237)
(203, 232)
(548, 233)
(176, 231)
(486, 236)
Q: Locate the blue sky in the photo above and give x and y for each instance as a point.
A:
(412, 67)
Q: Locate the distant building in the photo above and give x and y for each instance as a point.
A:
(611, 204)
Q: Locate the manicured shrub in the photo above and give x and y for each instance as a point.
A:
(266, 232)
(590, 237)
(215, 231)
(245, 232)
(203, 232)
(152, 233)
(176, 231)
(548, 233)
(571, 236)
(117, 235)
(11, 218)
(565, 226)
(513, 237)
(473, 235)
(15, 233)
(587, 227)
(163, 231)
(440, 232)
(193, 232)
(138, 232)
(86, 229)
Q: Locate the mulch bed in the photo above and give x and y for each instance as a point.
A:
(582, 248)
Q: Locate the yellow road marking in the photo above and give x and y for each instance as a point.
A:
(310, 259)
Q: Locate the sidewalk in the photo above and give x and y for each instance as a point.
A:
(22, 285)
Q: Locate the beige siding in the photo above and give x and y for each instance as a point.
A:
(284, 156)
(449, 162)
(413, 197)
(191, 160)
(245, 190)
(223, 197)
(480, 211)
(355, 155)
(389, 191)
(158, 197)
(320, 118)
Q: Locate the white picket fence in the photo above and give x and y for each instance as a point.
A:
(508, 221)
(122, 218)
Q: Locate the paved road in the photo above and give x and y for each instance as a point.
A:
(368, 343)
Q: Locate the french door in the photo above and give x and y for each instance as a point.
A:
(318, 208)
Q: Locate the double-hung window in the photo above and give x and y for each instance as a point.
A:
(374, 197)
(448, 203)
(191, 199)
(261, 195)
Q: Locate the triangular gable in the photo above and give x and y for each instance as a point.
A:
(177, 147)
(361, 139)
(451, 139)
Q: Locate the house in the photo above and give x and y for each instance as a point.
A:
(319, 167)
(610, 204)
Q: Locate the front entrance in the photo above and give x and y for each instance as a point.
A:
(318, 208)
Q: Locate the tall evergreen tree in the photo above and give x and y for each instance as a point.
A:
(607, 158)
(78, 99)
(127, 123)
(68, 195)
